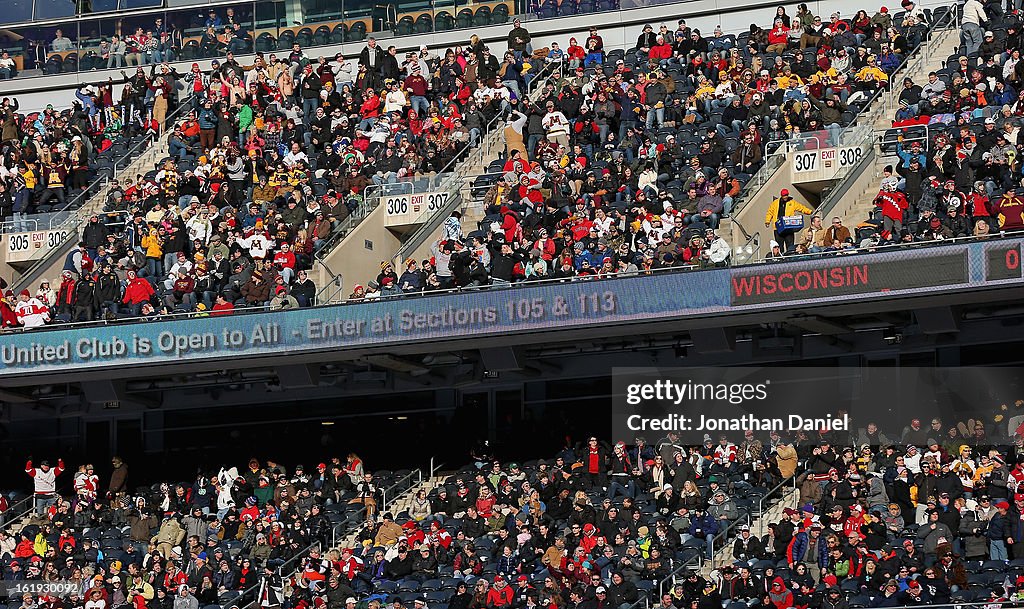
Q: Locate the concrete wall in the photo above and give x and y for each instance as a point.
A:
(352, 260)
(751, 215)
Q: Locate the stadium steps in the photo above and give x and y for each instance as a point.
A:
(470, 199)
(944, 42)
(749, 219)
(52, 263)
(856, 208)
(357, 256)
(759, 527)
(19, 516)
(396, 506)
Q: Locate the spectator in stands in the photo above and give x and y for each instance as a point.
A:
(971, 25)
(519, 40)
(8, 68)
(61, 42)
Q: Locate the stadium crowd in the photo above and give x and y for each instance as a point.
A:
(624, 162)
(922, 515)
(628, 160)
(49, 158)
(267, 163)
(958, 138)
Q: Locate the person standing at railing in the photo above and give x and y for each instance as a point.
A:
(519, 40)
(44, 481)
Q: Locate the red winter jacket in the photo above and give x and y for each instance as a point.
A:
(510, 226)
(892, 203)
(285, 259)
(778, 35)
(138, 291)
(661, 51)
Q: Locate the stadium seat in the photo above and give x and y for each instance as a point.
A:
(644, 585)
(357, 31)
(499, 14)
(444, 21)
(548, 9)
(464, 19)
(285, 40)
(337, 35)
(53, 65)
(70, 63)
(404, 26)
(264, 43)
(190, 50)
(424, 24)
(88, 61)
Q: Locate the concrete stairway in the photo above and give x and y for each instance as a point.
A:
(857, 205)
(723, 556)
(878, 116)
(52, 262)
(395, 506)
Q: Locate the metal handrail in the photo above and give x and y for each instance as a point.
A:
(750, 250)
(355, 524)
(455, 182)
(416, 473)
(79, 217)
(434, 468)
(723, 535)
(331, 290)
(361, 512)
(644, 599)
(531, 284)
(766, 171)
(7, 226)
(874, 249)
(21, 509)
(767, 497)
(841, 187)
